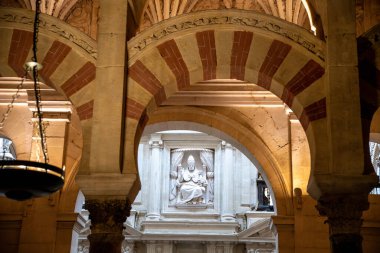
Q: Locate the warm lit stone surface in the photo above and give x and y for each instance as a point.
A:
(181, 70)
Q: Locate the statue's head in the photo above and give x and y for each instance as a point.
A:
(191, 162)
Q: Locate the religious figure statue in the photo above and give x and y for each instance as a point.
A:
(191, 183)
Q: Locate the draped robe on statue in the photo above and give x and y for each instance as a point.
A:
(191, 184)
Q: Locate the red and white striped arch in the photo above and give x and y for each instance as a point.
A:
(68, 57)
(178, 60)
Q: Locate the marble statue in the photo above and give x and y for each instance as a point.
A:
(191, 183)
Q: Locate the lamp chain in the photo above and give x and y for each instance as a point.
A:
(14, 97)
(37, 92)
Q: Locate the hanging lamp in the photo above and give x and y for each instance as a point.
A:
(22, 179)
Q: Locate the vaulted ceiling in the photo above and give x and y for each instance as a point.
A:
(83, 14)
(294, 11)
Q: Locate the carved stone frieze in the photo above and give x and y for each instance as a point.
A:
(230, 18)
(50, 24)
(343, 212)
(108, 216)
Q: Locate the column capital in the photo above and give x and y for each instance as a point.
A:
(343, 212)
(155, 141)
(226, 145)
(344, 218)
(108, 215)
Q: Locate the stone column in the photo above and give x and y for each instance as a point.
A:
(107, 218)
(210, 247)
(159, 247)
(107, 135)
(224, 247)
(227, 183)
(344, 218)
(155, 183)
(151, 247)
(342, 183)
(228, 247)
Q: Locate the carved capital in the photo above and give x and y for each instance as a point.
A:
(155, 143)
(108, 216)
(226, 145)
(343, 212)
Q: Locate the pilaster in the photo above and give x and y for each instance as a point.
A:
(155, 171)
(65, 226)
(159, 247)
(283, 226)
(227, 193)
(107, 134)
(219, 247)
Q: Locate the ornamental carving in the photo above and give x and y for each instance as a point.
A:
(51, 25)
(191, 177)
(84, 16)
(257, 21)
(108, 215)
(343, 212)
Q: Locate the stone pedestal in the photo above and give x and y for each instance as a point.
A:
(344, 218)
(107, 218)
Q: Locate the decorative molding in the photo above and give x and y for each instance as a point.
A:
(24, 20)
(237, 19)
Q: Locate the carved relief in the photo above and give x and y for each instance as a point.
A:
(14, 16)
(83, 246)
(84, 16)
(156, 11)
(191, 177)
(343, 212)
(255, 21)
